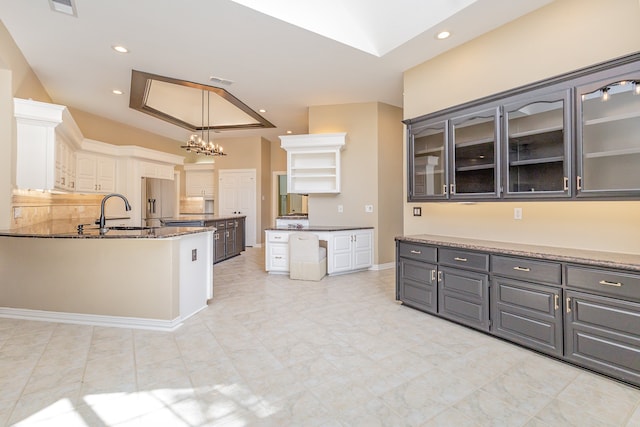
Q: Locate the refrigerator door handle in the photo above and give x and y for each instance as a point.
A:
(153, 204)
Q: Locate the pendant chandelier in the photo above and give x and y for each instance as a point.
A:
(197, 143)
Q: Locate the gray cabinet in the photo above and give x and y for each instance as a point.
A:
(573, 135)
(603, 334)
(526, 302)
(537, 141)
(463, 294)
(608, 122)
(581, 313)
(416, 276)
(228, 238)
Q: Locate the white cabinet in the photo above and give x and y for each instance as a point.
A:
(313, 162)
(156, 170)
(95, 173)
(277, 251)
(347, 250)
(200, 180)
(350, 250)
(46, 140)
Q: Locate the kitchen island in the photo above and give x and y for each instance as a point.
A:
(152, 278)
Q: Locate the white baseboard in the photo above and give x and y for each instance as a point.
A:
(386, 266)
(91, 319)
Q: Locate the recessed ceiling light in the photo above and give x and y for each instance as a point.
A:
(262, 110)
(120, 49)
(289, 131)
(443, 35)
(117, 92)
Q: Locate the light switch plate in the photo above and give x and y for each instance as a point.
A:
(417, 211)
(517, 213)
(368, 208)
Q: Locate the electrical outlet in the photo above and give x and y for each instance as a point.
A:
(368, 208)
(17, 212)
(517, 213)
(340, 208)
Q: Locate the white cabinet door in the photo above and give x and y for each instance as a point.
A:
(350, 250)
(200, 184)
(94, 173)
(237, 196)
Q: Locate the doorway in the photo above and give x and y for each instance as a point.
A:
(237, 196)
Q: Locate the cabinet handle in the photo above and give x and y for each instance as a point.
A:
(439, 276)
(278, 257)
(413, 251)
(453, 188)
(555, 301)
(579, 183)
(607, 283)
(566, 183)
(433, 275)
(277, 237)
(568, 305)
(460, 259)
(522, 268)
(444, 189)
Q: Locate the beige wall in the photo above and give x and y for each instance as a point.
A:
(16, 80)
(561, 37)
(374, 136)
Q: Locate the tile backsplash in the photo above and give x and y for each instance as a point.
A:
(29, 207)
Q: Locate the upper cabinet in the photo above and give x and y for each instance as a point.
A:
(313, 162)
(574, 135)
(47, 136)
(536, 146)
(608, 142)
(200, 180)
(475, 155)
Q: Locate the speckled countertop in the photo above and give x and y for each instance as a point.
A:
(68, 230)
(595, 258)
(319, 228)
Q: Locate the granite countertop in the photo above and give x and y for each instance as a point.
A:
(595, 258)
(68, 230)
(203, 216)
(319, 228)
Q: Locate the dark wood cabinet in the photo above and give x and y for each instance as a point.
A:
(228, 238)
(463, 296)
(416, 277)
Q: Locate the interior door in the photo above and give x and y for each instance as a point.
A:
(237, 193)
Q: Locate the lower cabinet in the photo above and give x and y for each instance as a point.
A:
(347, 250)
(586, 315)
(463, 296)
(228, 239)
(416, 277)
(527, 313)
(603, 333)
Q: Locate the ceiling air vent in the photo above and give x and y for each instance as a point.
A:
(67, 7)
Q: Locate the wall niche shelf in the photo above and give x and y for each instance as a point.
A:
(313, 162)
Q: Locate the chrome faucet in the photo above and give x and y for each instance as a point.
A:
(102, 220)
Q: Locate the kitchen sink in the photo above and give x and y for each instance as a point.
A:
(118, 227)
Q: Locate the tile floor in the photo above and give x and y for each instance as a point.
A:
(274, 352)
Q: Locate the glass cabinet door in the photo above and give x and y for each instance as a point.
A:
(427, 161)
(608, 122)
(536, 149)
(475, 155)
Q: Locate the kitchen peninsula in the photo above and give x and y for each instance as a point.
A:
(151, 278)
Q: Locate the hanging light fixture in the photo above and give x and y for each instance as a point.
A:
(197, 143)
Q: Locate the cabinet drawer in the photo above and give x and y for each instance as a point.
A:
(279, 237)
(417, 252)
(605, 282)
(464, 259)
(527, 269)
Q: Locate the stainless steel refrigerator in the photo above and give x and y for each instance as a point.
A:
(158, 201)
